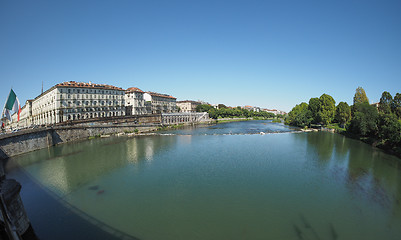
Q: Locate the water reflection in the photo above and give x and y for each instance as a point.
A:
(322, 144)
(369, 174)
(62, 171)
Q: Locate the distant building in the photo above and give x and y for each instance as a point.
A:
(25, 116)
(73, 101)
(251, 108)
(376, 105)
(159, 103)
(135, 102)
(274, 111)
(187, 105)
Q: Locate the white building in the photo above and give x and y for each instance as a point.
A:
(187, 105)
(159, 103)
(25, 118)
(74, 101)
(274, 111)
(135, 102)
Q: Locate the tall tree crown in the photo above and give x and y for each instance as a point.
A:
(360, 96)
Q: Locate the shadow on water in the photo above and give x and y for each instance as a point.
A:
(83, 163)
(54, 219)
(73, 166)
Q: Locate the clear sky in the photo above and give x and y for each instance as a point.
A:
(272, 54)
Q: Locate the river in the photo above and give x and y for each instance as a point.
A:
(225, 181)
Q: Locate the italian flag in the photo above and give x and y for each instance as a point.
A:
(12, 104)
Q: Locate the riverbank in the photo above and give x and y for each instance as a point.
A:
(376, 143)
(373, 142)
(225, 120)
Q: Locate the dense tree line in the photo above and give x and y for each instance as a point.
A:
(225, 112)
(380, 124)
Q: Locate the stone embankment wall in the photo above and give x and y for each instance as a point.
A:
(22, 142)
(13, 144)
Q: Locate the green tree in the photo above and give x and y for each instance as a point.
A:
(343, 113)
(220, 106)
(360, 96)
(299, 116)
(385, 103)
(213, 113)
(327, 109)
(203, 108)
(364, 122)
(314, 108)
(390, 129)
(396, 105)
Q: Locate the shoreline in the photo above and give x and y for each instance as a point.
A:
(373, 142)
(225, 120)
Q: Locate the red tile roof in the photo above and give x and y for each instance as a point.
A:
(161, 95)
(133, 89)
(88, 85)
(188, 101)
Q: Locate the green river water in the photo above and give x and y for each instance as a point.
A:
(226, 181)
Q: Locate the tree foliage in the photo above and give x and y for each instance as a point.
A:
(220, 106)
(327, 109)
(361, 119)
(360, 96)
(386, 101)
(343, 113)
(225, 112)
(314, 108)
(364, 122)
(390, 129)
(203, 108)
(396, 105)
(299, 116)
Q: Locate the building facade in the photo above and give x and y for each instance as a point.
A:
(135, 102)
(75, 101)
(156, 103)
(187, 105)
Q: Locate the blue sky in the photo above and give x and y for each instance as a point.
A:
(272, 54)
